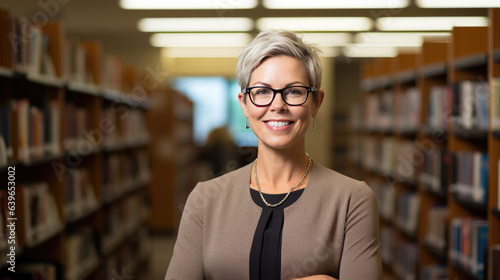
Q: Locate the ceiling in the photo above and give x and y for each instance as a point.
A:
(105, 20)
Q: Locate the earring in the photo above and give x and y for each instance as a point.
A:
(246, 125)
(314, 125)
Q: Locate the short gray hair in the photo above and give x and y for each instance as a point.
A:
(274, 43)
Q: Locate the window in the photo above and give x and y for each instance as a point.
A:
(215, 105)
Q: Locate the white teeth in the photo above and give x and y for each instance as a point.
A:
(278, 124)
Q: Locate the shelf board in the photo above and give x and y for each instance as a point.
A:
(496, 55)
(410, 235)
(45, 80)
(437, 193)
(440, 254)
(434, 70)
(496, 133)
(428, 130)
(472, 205)
(470, 61)
(6, 72)
(39, 161)
(405, 77)
(466, 273)
(496, 212)
(84, 88)
(121, 147)
(471, 133)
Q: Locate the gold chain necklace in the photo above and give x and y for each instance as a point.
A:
(309, 162)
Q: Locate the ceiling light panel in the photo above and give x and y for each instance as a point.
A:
(338, 4)
(397, 38)
(194, 24)
(202, 51)
(187, 4)
(200, 39)
(360, 50)
(428, 23)
(316, 23)
(458, 4)
(327, 39)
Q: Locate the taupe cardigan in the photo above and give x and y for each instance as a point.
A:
(331, 229)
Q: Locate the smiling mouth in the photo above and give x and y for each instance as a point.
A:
(278, 123)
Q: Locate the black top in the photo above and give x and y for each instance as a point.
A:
(265, 254)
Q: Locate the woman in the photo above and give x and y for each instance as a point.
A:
(283, 216)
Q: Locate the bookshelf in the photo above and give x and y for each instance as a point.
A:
(171, 125)
(494, 142)
(75, 141)
(456, 155)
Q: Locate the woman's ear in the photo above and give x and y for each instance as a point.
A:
(243, 104)
(317, 103)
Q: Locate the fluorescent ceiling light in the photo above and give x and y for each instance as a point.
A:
(327, 39)
(200, 39)
(397, 39)
(458, 3)
(202, 51)
(316, 23)
(194, 24)
(187, 4)
(428, 23)
(329, 51)
(360, 50)
(339, 4)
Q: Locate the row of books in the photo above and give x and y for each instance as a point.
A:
(470, 176)
(387, 245)
(29, 131)
(470, 105)
(494, 263)
(390, 156)
(126, 262)
(386, 196)
(437, 227)
(79, 194)
(434, 272)
(123, 219)
(406, 260)
(393, 111)
(463, 105)
(435, 169)
(44, 51)
(129, 127)
(469, 241)
(29, 48)
(495, 103)
(124, 172)
(81, 253)
(407, 209)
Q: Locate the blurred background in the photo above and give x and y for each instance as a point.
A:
(112, 111)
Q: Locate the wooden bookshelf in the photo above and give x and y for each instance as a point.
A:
(443, 71)
(77, 146)
(493, 139)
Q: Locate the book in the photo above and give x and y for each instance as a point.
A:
(469, 239)
(80, 198)
(470, 176)
(494, 262)
(41, 218)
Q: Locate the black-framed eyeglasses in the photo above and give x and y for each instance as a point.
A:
(293, 96)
